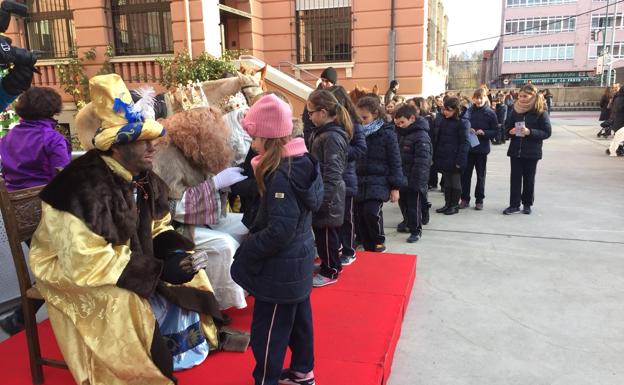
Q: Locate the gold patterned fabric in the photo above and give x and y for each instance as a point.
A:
(120, 123)
(104, 332)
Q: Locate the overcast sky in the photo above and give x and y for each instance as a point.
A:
(464, 15)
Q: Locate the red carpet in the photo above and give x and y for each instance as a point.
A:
(357, 325)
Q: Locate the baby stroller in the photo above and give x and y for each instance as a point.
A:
(606, 128)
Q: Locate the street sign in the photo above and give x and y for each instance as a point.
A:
(506, 81)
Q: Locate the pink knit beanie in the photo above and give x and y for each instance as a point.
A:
(269, 117)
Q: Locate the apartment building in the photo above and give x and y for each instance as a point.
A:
(367, 41)
(557, 42)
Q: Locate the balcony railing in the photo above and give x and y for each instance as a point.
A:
(134, 70)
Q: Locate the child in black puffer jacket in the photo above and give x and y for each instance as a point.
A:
(329, 144)
(356, 150)
(451, 152)
(380, 175)
(416, 152)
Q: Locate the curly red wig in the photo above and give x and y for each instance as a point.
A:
(202, 136)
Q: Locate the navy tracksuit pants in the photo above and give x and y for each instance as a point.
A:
(274, 328)
(328, 248)
(370, 223)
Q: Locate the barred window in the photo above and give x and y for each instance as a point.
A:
(49, 28)
(323, 31)
(142, 27)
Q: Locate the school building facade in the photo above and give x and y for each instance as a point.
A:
(367, 41)
(557, 43)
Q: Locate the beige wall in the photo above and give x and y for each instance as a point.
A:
(273, 31)
(270, 36)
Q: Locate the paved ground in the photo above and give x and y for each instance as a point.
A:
(526, 300)
(522, 300)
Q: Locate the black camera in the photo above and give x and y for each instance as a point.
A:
(11, 54)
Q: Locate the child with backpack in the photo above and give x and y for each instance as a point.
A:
(416, 152)
(329, 140)
(379, 172)
(275, 263)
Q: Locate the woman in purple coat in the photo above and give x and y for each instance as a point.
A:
(30, 154)
(33, 150)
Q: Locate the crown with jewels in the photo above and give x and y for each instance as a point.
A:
(189, 96)
(233, 102)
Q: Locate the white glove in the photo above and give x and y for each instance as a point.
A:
(228, 177)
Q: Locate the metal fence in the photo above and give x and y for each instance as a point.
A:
(323, 31)
(142, 27)
(49, 28)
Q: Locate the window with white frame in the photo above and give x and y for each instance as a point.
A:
(616, 52)
(598, 21)
(547, 52)
(539, 25)
(323, 31)
(535, 3)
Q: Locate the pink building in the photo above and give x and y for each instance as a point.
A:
(556, 42)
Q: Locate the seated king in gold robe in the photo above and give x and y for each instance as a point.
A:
(104, 249)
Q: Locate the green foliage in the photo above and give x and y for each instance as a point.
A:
(8, 116)
(73, 78)
(182, 69)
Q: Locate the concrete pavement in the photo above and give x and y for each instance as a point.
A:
(522, 299)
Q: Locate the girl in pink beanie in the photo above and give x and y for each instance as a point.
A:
(275, 263)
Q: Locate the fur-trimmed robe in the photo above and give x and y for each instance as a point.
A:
(97, 256)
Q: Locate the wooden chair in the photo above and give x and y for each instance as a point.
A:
(21, 211)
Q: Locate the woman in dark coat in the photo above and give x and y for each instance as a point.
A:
(605, 104)
(451, 152)
(528, 125)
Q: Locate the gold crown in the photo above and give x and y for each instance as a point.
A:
(233, 102)
(188, 97)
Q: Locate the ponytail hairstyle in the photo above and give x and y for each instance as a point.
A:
(325, 100)
(343, 98)
(372, 105)
(452, 103)
(270, 161)
(540, 102)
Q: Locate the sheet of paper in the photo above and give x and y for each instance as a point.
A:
(473, 139)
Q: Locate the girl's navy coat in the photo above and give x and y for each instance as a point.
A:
(275, 263)
(416, 152)
(356, 150)
(379, 171)
(452, 145)
(329, 146)
(528, 147)
(485, 119)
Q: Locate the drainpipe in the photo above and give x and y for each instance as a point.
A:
(187, 20)
(604, 43)
(612, 45)
(392, 48)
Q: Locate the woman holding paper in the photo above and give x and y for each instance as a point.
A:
(528, 125)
